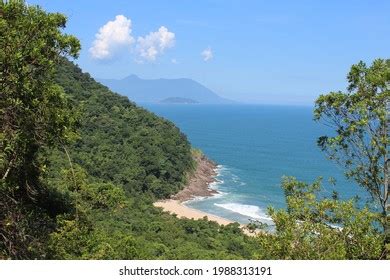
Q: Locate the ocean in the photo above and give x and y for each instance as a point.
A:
(254, 146)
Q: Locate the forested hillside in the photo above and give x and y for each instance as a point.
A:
(122, 143)
(97, 186)
(124, 159)
(81, 166)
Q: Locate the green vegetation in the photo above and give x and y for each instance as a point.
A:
(318, 228)
(125, 158)
(121, 143)
(315, 228)
(87, 193)
(361, 121)
(34, 117)
(81, 166)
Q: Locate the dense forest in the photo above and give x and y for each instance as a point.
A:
(81, 166)
(84, 188)
(124, 159)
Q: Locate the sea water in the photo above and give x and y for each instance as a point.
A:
(254, 146)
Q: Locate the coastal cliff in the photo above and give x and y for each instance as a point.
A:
(199, 181)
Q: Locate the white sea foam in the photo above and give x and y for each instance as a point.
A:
(252, 211)
(235, 178)
(219, 194)
(221, 167)
(228, 175)
(194, 198)
(214, 185)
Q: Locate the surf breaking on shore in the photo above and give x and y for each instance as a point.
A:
(199, 182)
(198, 186)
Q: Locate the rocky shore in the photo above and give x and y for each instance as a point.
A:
(199, 182)
(198, 186)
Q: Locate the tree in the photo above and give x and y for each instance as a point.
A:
(124, 159)
(34, 114)
(320, 228)
(360, 119)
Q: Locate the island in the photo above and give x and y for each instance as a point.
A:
(179, 100)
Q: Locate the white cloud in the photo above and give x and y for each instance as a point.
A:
(155, 43)
(207, 54)
(113, 36)
(174, 61)
(116, 36)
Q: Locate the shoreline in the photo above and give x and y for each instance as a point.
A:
(199, 181)
(182, 211)
(198, 186)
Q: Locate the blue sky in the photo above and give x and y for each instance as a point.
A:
(277, 52)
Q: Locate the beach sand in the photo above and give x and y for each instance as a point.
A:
(183, 211)
(198, 186)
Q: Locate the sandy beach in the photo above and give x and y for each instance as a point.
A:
(198, 185)
(182, 211)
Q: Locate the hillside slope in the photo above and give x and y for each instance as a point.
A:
(123, 143)
(124, 159)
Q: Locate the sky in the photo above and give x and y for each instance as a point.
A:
(270, 52)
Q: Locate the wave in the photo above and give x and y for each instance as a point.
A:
(219, 194)
(252, 211)
(221, 167)
(235, 178)
(226, 173)
(194, 199)
(214, 185)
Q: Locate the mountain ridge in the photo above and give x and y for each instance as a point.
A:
(154, 90)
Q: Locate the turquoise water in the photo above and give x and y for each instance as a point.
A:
(255, 145)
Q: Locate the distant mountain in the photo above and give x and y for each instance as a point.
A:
(178, 100)
(143, 90)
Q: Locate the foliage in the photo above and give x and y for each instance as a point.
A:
(125, 158)
(360, 119)
(81, 166)
(34, 115)
(96, 186)
(315, 228)
(122, 143)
